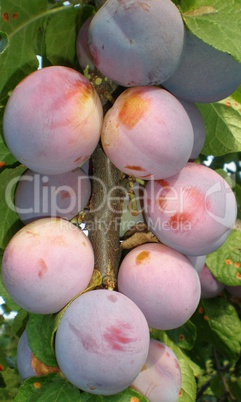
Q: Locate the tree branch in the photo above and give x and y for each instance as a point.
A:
(106, 210)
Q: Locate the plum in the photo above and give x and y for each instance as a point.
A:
(24, 357)
(52, 120)
(62, 195)
(197, 261)
(137, 43)
(204, 74)
(28, 365)
(46, 264)
(102, 342)
(82, 49)
(163, 284)
(192, 211)
(160, 379)
(147, 133)
(210, 286)
(197, 125)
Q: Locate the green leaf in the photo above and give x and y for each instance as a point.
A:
(19, 322)
(225, 324)
(2, 382)
(4, 42)
(237, 95)
(9, 222)
(20, 23)
(48, 388)
(188, 391)
(54, 388)
(23, 26)
(60, 37)
(223, 127)
(218, 324)
(177, 2)
(127, 395)
(235, 388)
(225, 262)
(12, 380)
(3, 361)
(216, 22)
(40, 329)
(1, 256)
(184, 336)
(6, 158)
(217, 386)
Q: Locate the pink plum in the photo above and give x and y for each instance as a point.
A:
(160, 379)
(52, 120)
(147, 133)
(192, 211)
(210, 286)
(82, 49)
(62, 195)
(102, 342)
(163, 284)
(46, 264)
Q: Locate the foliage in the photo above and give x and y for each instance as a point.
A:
(209, 345)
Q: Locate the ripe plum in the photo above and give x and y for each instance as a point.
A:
(46, 264)
(24, 357)
(82, 49)
(147, 133)
(197, 261)
(137, 43)
(102, 342)
(204, 74)
(160, 379)
(192, 211)
(62, 195)
(163, 284)
(210, 286)
(52, 120)
(198, 127)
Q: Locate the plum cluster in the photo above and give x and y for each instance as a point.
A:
(125, 46)
(153, 132)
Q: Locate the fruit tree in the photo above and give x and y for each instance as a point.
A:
(120, 181)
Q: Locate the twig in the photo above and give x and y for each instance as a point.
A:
(220, 372)
(205, 386)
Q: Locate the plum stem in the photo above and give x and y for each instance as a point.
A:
(106, 210)
(107, 197)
